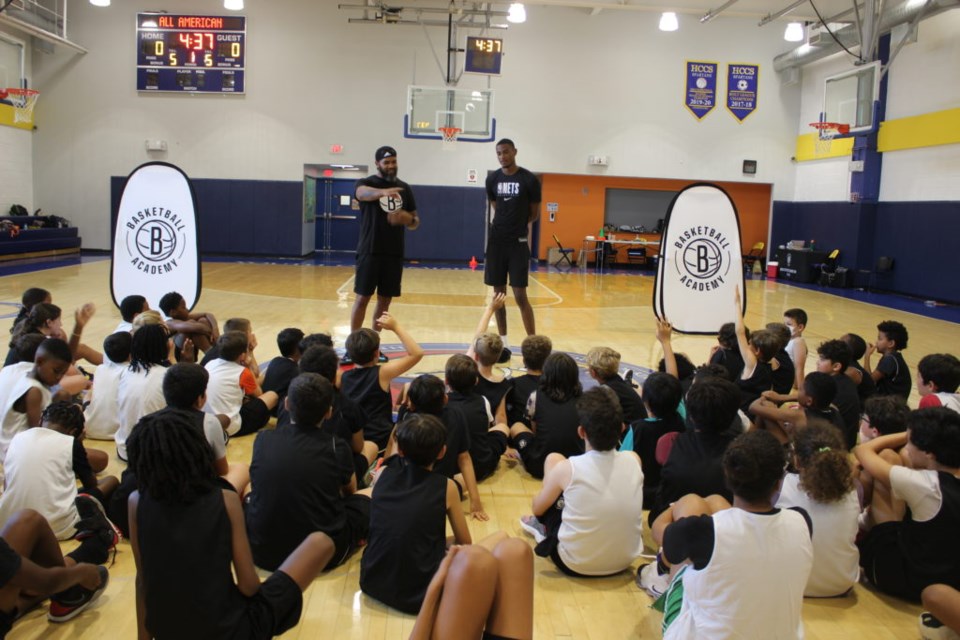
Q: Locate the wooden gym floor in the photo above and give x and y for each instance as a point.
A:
(441, 307)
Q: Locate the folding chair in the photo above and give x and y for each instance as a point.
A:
(884, 265)
(564, 253)
(756, 253)
(828, 269)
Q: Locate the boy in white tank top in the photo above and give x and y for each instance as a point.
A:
(588, 517)
(721, 557)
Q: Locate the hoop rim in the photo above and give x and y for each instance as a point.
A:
(449, 133)
(831, 126)
(13, 91)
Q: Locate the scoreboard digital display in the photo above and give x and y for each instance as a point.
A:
(483, 55)
(185, 53)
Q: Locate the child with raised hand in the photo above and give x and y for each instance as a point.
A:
(782, 368)
(603, 364)
(179, 502)
(866, 387)
(408, 514)
(23, 402)
(368, 383)
(914, 512)
(486, 348)
(938, 376)
(101, 410)
(553, 416)
(723, 556)
(588, 517)
(796, 321)
(757, 351)
(892, 375)
(823, 486)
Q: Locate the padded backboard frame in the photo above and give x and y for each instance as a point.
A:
(430, 108)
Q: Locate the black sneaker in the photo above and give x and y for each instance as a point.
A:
(383, 358)
(68, 604)
(94, 522)
(505, 356)
(628, 378)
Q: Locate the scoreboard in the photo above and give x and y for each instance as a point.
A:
(483, 55)
(188, 53)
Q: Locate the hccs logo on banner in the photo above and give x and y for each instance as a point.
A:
(156, 241)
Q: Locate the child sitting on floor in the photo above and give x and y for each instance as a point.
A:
(534, 350)
(726, 352)
(813, 401)
(866, 387)
(892, 374)
(233, 389)
(488, 441)
(588, 516)
(782, 373)
(101, 411)
(603, 364)
(938, 376)
(796, 321)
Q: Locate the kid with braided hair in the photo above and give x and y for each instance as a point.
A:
(180, 501)
(824, 487)
(141, 384)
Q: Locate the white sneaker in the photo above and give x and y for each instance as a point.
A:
(933, 629)
(531, 525)
(651, 581)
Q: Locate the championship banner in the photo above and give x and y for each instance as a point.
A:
(742, 89)
(700, 261)
(701, 93)
(156, 243)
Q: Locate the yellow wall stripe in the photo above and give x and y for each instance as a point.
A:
(927, 130)
(6, 118)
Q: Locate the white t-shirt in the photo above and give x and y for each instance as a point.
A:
(39, 476)
(224, 395)
(139, 394)
(836, 559)
(101, 417)
(215, 435)
(12, 421)
(124, 326)
(920, 489)
(602, 528)
(752, 587)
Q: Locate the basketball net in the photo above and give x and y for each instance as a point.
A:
(826, 132)
(23, 101)
(449, 137)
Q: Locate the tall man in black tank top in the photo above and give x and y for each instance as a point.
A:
(513, 194)
(387, 208)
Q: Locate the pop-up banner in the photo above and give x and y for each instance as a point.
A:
(156, 242)
(700, 261)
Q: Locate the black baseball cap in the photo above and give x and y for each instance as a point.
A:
(385, 152)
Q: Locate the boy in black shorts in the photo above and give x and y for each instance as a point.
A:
(513, 194)
(387, 208)
(298, 475)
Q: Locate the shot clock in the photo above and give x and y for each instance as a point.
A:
(483, 55)
(187, 53)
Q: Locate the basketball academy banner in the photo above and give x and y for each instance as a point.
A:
(156, 244)
(700, 261)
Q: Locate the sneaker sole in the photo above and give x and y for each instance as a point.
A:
(117, 534)
(533, 531)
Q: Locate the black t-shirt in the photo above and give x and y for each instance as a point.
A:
(784, 375)
(494, 392)
(280, 373)
(695, 466)
(556, 425)
(867, 387)
(361, 385)
(458, 441)
(474, 409)
(520, 392)
(513, 196)
(345, 420)
(296, 473)
(646, 433)
(731, 359)
(752, 387)
(9, 563)
(896, 379)
(377, 236)
(407, 537)
(848, 403)
(630, 401)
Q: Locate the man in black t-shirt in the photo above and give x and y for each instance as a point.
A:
(513, 194)
(387, 207)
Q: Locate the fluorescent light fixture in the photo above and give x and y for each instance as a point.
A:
(668, 21)
(517, 13)
(100, 3)
(794, 32)
(233, 5)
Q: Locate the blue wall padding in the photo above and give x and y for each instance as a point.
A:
(921, 237)
(261, 217)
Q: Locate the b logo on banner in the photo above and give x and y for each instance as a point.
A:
(155, 235)
(705, 258)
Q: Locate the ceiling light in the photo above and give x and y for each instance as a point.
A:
(794, 32)
(233, 5)
(517, 13)
(668, 21)
(100, 3)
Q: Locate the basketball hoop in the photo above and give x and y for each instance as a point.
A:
(23, 102)
(826, 132)
(449, 137)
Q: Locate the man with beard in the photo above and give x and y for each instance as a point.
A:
(387, 207)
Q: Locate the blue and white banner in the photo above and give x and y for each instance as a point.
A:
(700, 261)
(742, 89)
(700, 96)
(156, 241)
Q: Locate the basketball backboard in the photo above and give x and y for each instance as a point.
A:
(849, 97)
(429, 109)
